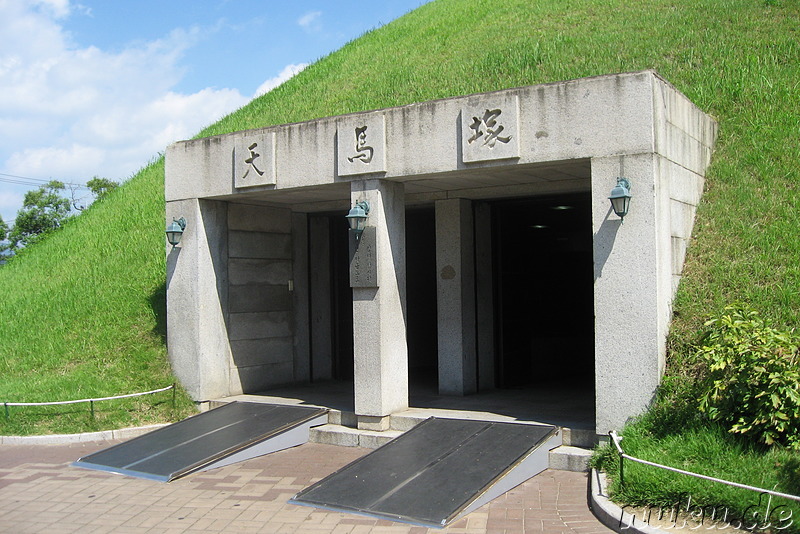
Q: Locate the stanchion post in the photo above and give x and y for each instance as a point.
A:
(91, 406)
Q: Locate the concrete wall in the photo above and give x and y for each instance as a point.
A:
(626, 292)
(638, 264)
(197, 298)
(230, 308)
(259, 297)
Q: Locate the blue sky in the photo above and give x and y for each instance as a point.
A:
(98, 88)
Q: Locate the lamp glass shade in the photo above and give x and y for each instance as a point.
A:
(621, 197)
(174, 233)
(621, 205)
(357, 217)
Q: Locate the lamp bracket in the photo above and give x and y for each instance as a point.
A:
(363, 204)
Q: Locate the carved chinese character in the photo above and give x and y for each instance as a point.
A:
(363, 151)
(251, 161)
(492, 134)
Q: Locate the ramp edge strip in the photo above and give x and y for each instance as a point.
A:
(118, 471)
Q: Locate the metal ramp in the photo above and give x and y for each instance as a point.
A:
(225, 435)
(437, 472)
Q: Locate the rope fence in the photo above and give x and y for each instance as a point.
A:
(622, 456)
(90, 401)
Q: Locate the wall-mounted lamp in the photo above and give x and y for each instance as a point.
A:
(175, 231)
(621, 198)
(357, 217)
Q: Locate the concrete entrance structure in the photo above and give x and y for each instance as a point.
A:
(254, 290)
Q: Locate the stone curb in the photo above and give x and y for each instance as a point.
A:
(610, 514)
(62, 439)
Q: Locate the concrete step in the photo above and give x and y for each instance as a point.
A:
(570, 458)
(579, 437)
(345, 436)
(341, 430)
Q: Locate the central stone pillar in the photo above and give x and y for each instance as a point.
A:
(455, 285)
(378, 278)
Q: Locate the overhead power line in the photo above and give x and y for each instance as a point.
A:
(24, 180)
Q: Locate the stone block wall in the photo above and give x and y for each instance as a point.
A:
(260, 326)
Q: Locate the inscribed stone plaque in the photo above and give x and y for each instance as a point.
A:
(254, 160)
(490, 128)
(364, 259)
(361, 145)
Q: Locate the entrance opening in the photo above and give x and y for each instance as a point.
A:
(542, 285)
(342, 299)
(421, 314)
(330, 299)
(544, 306)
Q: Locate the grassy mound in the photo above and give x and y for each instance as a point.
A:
(84, 310)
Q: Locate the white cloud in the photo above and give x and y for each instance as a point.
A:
(287, 72)
(69, 160)
(70, 112)
(311, 21)
(57, 8)
(10, 200)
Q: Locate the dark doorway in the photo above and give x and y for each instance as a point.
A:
(341, 299)
(544, 290)
(421, 314)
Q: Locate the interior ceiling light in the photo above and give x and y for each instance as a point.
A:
(562, 207)
(539, 226)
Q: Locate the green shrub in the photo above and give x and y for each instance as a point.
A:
(753, 382)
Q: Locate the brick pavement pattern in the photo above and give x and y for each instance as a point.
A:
(40, 492)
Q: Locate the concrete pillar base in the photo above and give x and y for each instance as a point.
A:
(373, 422)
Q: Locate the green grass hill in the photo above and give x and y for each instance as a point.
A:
(83, 311)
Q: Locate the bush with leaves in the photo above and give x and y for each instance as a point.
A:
(753, 381)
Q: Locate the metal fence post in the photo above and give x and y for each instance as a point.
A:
(5, 404)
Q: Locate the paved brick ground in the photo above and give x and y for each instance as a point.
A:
(40, 492)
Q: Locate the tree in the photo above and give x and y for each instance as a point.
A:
(43, 210)
(100, 187)
(4, 244)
